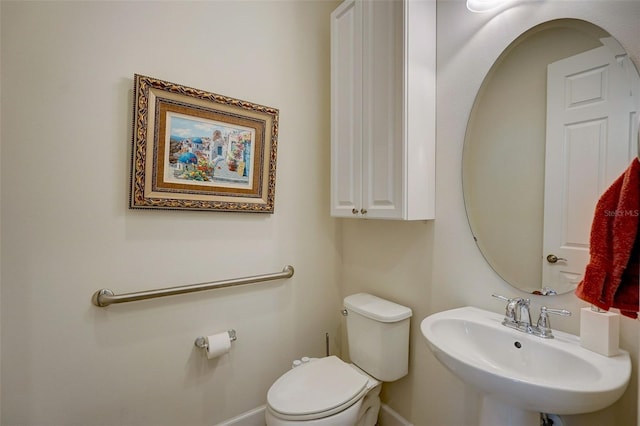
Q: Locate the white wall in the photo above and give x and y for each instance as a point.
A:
(66, 80)
(435, 266)
(67, 70)
(0, 223)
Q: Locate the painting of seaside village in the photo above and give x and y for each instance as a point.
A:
(206, 152)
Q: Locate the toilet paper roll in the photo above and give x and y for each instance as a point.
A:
(218, 344)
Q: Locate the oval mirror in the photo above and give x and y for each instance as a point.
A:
(552, 126)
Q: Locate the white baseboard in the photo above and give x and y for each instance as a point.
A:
(255, 417)
(389, 417)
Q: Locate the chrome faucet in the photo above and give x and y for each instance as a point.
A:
(516, 314)
(524, 323)
(518, 317)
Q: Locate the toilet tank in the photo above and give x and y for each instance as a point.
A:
(378, 336)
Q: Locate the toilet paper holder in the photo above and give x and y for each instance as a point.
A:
(202, 343)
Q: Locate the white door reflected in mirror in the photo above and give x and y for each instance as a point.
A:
(589, 143)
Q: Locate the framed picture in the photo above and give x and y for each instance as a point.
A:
(195, 150)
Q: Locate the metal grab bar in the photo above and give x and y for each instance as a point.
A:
(105, 297)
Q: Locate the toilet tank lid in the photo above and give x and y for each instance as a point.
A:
(376, 308)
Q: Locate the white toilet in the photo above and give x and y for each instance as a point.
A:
(328, 391)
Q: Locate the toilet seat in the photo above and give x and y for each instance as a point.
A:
(316, 389)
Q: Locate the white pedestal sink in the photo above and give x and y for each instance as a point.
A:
(522, 375)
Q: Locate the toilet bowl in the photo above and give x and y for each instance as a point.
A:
(330, 392)
(326, 391)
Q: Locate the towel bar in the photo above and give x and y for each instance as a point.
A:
(105, 297)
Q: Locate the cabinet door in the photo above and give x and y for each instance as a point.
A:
(346, 106)
(382, 97)
(383, 109)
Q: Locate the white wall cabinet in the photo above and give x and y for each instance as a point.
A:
(383, 109)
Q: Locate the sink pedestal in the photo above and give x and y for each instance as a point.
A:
(497, 413)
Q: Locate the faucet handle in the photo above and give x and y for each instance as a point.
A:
(510, 315)
(498, 296)
(562, 312)
(544, 325)
(515, 299)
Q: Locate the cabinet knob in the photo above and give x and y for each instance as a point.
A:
(363, 211)
(354, 211)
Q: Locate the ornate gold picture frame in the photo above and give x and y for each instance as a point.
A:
(196, 150)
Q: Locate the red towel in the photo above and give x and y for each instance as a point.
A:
(611, 279)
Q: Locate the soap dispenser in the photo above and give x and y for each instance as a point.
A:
(600, 331)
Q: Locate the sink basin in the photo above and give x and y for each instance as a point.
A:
(523, 371)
